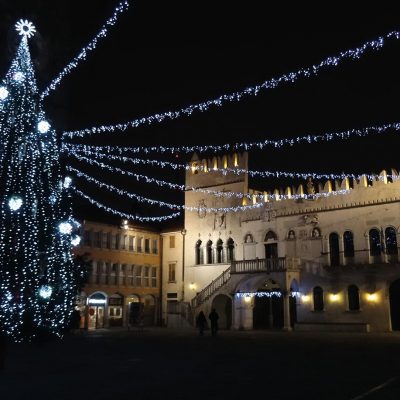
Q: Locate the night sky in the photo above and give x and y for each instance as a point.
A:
(166, 55)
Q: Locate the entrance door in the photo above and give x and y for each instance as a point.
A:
(394, 296)
(268, 312)
(96, 317)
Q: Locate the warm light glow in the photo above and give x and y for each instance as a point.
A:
(372, 297)
(192, 286)
(305, 298)
(235, 160)
(247, 299)
(194, 168)
(334, 297)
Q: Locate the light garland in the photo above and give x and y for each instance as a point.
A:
(238, 96)
(171, 185)
(122, 214)
(234, 209)
(265, 294)
(122, 6)
(276, 143)
(224, 171)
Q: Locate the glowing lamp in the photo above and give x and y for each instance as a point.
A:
(75, 240)
(334, 297)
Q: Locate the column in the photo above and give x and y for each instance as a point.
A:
(286, 311)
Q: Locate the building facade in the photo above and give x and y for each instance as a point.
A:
(124, 285)
(328, 262)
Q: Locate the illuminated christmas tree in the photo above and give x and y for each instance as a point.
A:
(37, 280)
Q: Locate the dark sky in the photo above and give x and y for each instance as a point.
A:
(166, 55)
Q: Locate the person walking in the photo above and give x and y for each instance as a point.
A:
(213, 317)
(201, 322)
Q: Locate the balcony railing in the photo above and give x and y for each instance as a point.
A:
(259, 265)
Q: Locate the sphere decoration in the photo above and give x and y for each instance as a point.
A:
(15, 203)
(43, 126)
(76, 239)
(65, 228)
(45, 291)
(3, 93)
(25, 28)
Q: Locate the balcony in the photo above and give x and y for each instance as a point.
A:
(268, 265)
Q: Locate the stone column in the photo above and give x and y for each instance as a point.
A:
(286, 312)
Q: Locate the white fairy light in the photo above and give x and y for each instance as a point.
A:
(19, 76)
(3, 93)
(25, 28)
(43, 126)
(275, 143)
(122, 6)
(67, 182)
(122, 214)
(15, 203)
(291, 77)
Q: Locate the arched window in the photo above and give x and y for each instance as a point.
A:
(391, 241)
(209, 252)
(318, 297)
(271, 235)
(231, 249)
(220, 248)
(198, 254)
(375, 246)
(348, 244)
(334, 249)
(353, 298)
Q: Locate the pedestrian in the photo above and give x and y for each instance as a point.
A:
(201, 322)
(213, 317)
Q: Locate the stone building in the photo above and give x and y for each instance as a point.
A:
(324, 263)
(124, 279)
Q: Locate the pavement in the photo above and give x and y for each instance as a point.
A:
(159, 363)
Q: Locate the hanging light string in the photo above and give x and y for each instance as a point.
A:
(273, 83)
(224, 171)
(122, 214)
(122, 7)
(264, 197)
(276, 143)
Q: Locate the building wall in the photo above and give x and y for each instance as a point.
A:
(301, 230)
(125, 268)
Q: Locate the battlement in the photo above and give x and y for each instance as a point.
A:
(217, 170)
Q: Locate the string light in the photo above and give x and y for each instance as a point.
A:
(207, 191)
(122, 6)
(234, 209)
(276, 143)
(43, 126)
(291, 77)
(3, 93)
(122, 214)
(265, 294)
(224, 171)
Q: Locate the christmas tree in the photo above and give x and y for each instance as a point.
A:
(37, 279)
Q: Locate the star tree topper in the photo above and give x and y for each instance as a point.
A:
(25, 28)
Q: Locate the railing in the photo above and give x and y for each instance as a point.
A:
(259, 265)
(209, 290)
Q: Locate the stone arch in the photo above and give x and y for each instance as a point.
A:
(271, 245)
(223, 305)
(334, 249)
